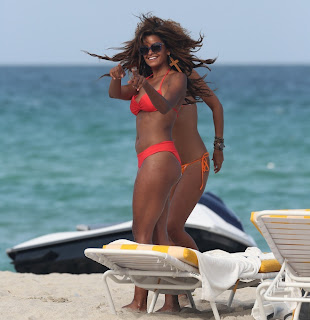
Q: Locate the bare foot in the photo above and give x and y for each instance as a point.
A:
(135, 306)
(139, 302)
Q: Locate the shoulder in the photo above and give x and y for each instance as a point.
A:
(177, 76)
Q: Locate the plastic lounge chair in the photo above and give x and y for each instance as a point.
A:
(149, 267)
(162, 269)
(287, 233)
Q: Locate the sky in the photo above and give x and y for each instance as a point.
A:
(241, 32)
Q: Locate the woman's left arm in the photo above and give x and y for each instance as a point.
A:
(218, 119)
(175, 93)
(215, 105)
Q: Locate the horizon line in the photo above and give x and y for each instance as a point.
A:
(104, 64)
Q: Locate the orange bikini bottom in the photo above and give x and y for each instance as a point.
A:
(204, 166)
(158, 147)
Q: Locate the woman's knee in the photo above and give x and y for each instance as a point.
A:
(142, 234)
(161, 238)
(174, 228)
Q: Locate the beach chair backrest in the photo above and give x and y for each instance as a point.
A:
(287, 232)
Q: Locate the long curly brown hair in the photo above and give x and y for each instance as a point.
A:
(176, 39)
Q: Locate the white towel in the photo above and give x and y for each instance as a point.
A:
(220, 270)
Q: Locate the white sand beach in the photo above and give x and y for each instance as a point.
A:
(66, 296)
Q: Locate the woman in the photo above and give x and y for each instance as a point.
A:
(195, 166)
(195, 171)
(156, 93)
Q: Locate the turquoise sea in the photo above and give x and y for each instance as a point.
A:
(67, 150)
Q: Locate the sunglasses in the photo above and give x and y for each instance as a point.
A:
(155, 47)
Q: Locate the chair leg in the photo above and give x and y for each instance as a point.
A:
(298, 308)
(259, 299)
(305, 307)
(190, 298)
(296, 312)
(215, 311)
(153, 302)
(232, 294)
(107, 290)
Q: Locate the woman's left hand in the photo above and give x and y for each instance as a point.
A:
(137, 81)
(218, 158)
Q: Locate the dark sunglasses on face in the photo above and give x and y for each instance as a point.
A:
(155, 47)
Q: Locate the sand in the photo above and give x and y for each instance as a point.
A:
(66, 296)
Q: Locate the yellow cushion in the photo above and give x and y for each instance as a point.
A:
(271, 265)
(184, 254)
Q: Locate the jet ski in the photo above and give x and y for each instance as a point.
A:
(211, 224)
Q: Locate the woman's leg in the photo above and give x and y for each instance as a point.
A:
(155, 178)
(154, 181)
(186, 195)
(183, 199)
(160, 236)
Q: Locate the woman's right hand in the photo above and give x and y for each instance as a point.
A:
(117, 72)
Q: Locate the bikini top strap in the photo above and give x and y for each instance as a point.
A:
(149, 76)
(163, 79)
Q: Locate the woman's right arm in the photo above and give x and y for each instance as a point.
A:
(116, 90)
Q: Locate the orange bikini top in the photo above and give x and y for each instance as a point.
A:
(145, 104)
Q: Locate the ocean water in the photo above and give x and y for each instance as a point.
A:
(67, 151)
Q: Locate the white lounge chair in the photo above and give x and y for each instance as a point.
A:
(287, 233)
(162, 269)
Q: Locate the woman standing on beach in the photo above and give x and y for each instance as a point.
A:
(195, 171)
(195, 165)
(156, 93)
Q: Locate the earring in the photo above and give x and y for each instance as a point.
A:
(174, 63)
